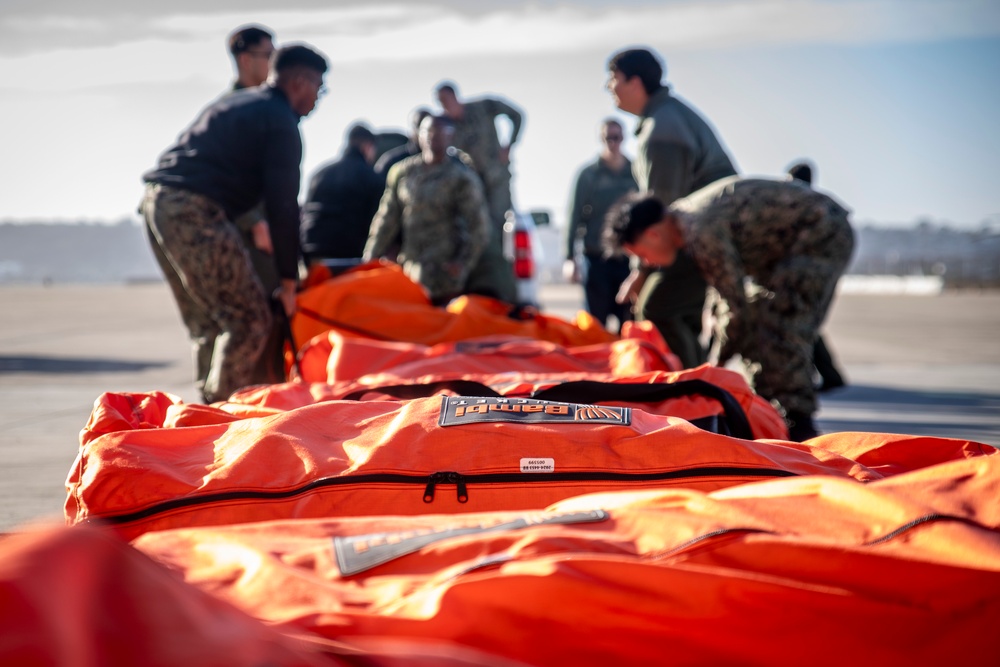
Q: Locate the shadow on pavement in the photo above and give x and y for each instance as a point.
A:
(68, 365)
(963, 415)
(871, 395)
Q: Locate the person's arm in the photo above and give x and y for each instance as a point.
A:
(671, 170)
(501, 108)
(282, 159)
(472, 211)
(571, 271)
(372, 188)
(575, 221)
(714, 251)
(629, 290)
(387, 222)
(254, 223)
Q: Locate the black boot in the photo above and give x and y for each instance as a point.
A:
(800, 426)
(830, 377)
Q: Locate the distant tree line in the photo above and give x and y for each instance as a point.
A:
(963, 258)
(88, 252)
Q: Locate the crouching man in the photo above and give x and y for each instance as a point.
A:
(774, 251)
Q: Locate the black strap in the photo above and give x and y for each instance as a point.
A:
(592, 391)
(735, 423)
(410, 391)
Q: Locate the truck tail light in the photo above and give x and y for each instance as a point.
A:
(524, 260)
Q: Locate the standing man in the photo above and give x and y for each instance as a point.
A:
(829, 375)
(677, 154)
(774, 250)
(476, 135)
(251, 47)
(435, 205)
(239, 147)
(341, 201)
(598, 186)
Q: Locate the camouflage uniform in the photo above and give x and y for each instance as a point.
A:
(476, 135)
(440, 212)
(774, 251)
(270, 366)
(219, 294)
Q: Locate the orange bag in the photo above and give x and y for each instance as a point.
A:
(333, 357)
(805, 571)
(378, 301)
(81, 596)
(442, 454)
(712, 398)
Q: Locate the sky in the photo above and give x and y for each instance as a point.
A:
(895, 101)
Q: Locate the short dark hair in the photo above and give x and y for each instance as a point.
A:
(440, 119)
(358, 134)
(246, 37)
(417, 116)
(801, 171)
(641, 63)
(292, 56)
(446, 86)
(629, 217)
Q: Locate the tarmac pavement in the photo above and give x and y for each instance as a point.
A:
(924, 365)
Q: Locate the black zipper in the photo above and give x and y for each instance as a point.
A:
(432, 481)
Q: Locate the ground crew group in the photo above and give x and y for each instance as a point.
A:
(221, 208)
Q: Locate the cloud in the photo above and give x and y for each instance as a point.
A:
(432, 27)
(121, 42)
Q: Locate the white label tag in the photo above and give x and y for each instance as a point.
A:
(538, 465)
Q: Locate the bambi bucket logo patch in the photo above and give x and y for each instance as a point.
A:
(470, 409)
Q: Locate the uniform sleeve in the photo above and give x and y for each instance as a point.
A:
(576, 211)
(282, 159)
(713, 249)
(388, 219)
(501, 108)
(671, 170)
(374, 189)
(473, 211)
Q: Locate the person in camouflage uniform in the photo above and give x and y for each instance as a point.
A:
(436, 204)
(774, 251)
(251, 47)
(239, 147)
(476, 135)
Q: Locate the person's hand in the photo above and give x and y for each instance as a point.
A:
(629, 290)
(505, 155)
(287, 293)
(732, 339)
(570, 271)
(262, 237)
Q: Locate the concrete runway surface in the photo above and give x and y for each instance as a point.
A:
(925, 365)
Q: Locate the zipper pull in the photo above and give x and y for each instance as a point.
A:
(432, 482)
(462, 492)
(460, 488)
